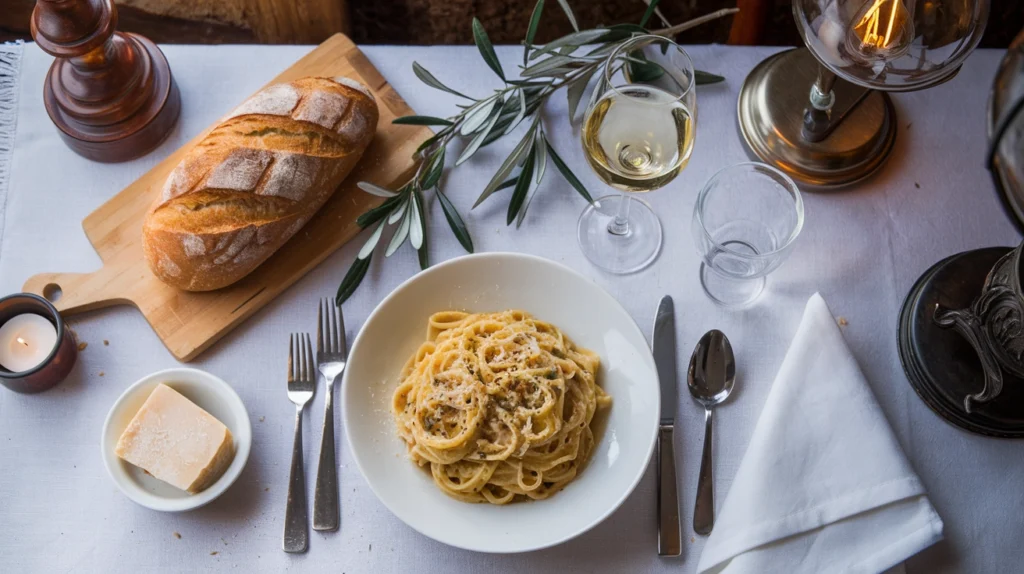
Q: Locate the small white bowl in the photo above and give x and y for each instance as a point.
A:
(591, 317)
(209, 392)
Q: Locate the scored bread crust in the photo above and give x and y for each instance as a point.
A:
(255, 180)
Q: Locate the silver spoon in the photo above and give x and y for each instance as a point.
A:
(710, 377)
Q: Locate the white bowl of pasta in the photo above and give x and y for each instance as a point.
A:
(522, 417)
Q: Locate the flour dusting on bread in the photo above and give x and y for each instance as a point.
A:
(295, 227)
(355, 124)
(322, 108)
(291, 176)
(239, 242)
(176, 181)
(241, 170)
(349, 82)
(193, 245)
(277, 100)
(169, 267)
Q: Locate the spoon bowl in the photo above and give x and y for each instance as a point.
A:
(710, 378)
(712, 371)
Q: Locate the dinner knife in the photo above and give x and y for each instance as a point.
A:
(664, 342)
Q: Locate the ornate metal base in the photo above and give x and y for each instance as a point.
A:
(941, 365)
(771, 113)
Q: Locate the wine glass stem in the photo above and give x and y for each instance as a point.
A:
(620, 225)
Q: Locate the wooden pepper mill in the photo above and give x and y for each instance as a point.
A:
(111, 94)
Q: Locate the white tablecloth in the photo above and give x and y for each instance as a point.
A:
(862, 249)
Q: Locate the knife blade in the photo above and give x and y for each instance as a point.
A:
(670, 541)
(665, 358)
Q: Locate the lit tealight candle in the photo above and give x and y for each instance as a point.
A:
(26, 341)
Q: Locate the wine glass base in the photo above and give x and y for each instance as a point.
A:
(727, 292)
(621, 254)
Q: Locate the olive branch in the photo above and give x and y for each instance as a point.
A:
(572, 62)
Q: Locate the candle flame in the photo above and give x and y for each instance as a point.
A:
(22, 341)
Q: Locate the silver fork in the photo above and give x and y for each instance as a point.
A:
(301, 385)
(331, 355)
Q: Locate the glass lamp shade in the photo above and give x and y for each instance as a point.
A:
(1006, 130)
(892, 45)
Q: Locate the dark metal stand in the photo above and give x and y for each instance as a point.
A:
(941, 365)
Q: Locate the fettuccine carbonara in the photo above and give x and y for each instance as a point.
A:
(499, 405)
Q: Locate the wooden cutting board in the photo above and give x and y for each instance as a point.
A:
(188, 323)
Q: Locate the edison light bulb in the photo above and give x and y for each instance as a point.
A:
(882, 30)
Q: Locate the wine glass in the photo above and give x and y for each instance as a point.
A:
(744, 223)
(637, 135)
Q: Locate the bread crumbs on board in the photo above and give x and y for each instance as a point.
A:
(178, 536)
(82, 346)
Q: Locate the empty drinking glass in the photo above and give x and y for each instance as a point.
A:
(744, 224)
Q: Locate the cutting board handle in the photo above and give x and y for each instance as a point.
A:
(74, 293)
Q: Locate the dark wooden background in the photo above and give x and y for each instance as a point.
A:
(768, 22)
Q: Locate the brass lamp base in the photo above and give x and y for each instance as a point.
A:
(771, 116)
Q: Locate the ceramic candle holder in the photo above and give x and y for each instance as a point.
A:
(58, 363)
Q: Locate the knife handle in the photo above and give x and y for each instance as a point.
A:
(704, 508)
(669, 536)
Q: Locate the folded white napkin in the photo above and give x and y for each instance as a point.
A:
(823, 486)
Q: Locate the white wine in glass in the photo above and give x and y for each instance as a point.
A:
(637, 136)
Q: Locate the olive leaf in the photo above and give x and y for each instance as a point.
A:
(652, 5)
(574, 41)
(415, 223)
(477, 116)
(568, 14)
(542, 155)
(552, 65)
(541, 163)
(398, 213)
(620, 32)
(522, 186)
(377, 213)
(567, 173)
(429, 79)
(371, 242)
(375, 189)
(435, 170)
(483, 43)
(423, 251)
(519, 115)
(421, 121)
(509, 164)
(352, 279)
(400, 234)
(455, 222)
(531, 30)
(705, 78)
(479, 139)
(575, 91)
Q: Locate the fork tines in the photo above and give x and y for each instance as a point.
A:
(330, 328)
(301, 366)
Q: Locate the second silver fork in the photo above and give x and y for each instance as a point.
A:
(331, 355)
(301, 386)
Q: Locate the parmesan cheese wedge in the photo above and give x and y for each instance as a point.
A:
(177, 442)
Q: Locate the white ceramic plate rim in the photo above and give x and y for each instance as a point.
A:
(243, 444)
(611, 302)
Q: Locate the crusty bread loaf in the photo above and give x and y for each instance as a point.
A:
(255, 180)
